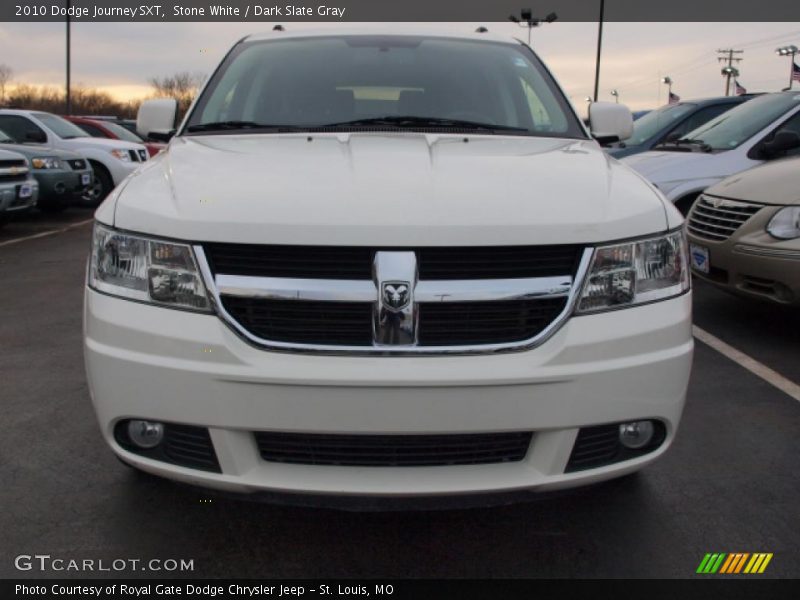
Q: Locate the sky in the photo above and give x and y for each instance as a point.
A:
(120, 57)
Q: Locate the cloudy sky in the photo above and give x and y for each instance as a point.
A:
(120, 57)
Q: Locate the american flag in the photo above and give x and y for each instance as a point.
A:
(795, 72)
(740, 89)
(674, 98)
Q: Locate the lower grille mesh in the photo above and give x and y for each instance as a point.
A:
(393, 450)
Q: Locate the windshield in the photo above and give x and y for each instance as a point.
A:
(739, 124)
(61, 127)
(655, 121)
(332, 80)
(121, 132)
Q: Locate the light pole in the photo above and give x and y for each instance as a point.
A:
(526, 19)
(729, 72)
(668, 82)
(599, 48)
(791, 52)
(68, 96)
(615, 93)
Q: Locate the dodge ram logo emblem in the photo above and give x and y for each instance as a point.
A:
(395, 294)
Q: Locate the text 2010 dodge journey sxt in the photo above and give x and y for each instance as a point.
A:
(387, 265)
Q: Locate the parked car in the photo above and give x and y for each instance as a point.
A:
(105, 128)
(744, 233)
(111, 160)
(18, 189)
(63, 176)
(387, 265)
(672, 122)
(761, 129)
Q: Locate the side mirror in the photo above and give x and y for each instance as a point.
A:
(610, 122)
(36, 137)
(783, 141)
(157, 117)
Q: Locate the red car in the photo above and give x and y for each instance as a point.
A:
(109, 129)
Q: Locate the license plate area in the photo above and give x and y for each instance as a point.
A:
(699, 257)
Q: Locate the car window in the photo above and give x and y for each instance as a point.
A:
(122, 133)
(647, 127)
(793, 124)
(61, 127)
(334, 79)
(18, 128)
(92, 130)
(736, 126)
(701, 117)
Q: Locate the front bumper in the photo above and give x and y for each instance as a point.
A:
(754, 264)
(182, 367)
(11, 201)
(61, 186)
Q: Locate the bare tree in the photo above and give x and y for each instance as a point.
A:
(6, 73)
(182, 86)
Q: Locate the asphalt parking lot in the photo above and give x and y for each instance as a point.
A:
(729, 484)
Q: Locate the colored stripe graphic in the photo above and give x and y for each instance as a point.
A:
(734, 563)
(758, 563)
(711, 562)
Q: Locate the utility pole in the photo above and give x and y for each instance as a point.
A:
(729, 70)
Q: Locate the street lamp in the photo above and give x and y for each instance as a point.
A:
(791, 52)
(615, 93)
(729, 72)
(526, 19)
(668, 82)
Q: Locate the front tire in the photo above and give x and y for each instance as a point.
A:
(101, 185)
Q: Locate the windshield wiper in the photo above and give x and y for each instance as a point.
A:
(412, 122)
(681, 145)
(240, 125)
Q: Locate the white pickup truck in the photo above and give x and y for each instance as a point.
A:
(386, 265)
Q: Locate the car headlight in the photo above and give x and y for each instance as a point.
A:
(636, 272)
(122, 155)
(785, 224)
(46, 162)
(146, 269)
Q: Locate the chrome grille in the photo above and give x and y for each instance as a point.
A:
(717, 218)
(379, 301)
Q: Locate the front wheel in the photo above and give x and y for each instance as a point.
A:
(101, 185)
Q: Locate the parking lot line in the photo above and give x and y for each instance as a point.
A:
(763, 371)
(46, 233)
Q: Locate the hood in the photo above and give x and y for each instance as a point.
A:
(9, 154)
(36, 152)
(104, 143)
(775, 182)
(387, 189)
(660, 166)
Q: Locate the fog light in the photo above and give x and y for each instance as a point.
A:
(145, 434)
(636, 435)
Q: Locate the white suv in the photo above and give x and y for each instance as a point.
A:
(111, 160)
(387, 265)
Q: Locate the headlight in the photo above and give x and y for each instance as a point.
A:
(146, 269)
(46, 162)
(122, 155)
(785, 224)
(636, 272)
